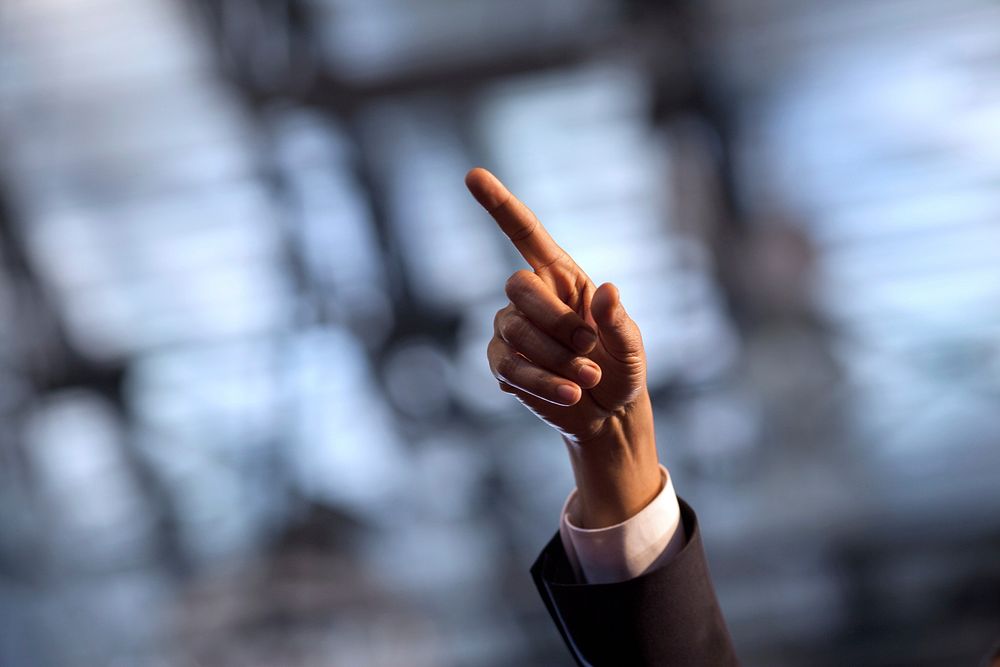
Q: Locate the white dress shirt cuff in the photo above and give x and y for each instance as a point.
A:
(626, 550)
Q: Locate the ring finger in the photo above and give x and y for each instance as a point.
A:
(515, 370)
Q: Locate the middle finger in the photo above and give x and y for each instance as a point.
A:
(522, 335)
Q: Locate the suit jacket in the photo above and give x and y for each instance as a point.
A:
(669, 616)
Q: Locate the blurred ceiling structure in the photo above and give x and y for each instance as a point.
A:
(245, 300)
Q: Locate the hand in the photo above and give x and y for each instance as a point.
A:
(571, 354)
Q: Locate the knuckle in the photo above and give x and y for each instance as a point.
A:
(498, 319)
(516, 327)
(517, 284)
(491, 354)
(506, 366)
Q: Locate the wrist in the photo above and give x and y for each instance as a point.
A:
(617, 472)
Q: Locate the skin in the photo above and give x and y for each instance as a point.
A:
(569, 352)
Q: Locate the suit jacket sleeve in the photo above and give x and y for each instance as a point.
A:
(669, 616)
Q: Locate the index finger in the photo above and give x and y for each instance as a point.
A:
(515, 219)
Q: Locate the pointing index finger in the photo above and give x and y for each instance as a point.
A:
(514, 218)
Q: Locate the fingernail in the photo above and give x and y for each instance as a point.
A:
(589, 375)
(566, 393)
(584, 339)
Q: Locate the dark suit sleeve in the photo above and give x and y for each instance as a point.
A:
(669, 616)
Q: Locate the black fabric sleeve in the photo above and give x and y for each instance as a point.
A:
(669, 616)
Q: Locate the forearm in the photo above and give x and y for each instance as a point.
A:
(617, 472)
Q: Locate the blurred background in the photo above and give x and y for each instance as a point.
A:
(245, 299)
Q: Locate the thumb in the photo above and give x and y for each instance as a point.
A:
(619, 334)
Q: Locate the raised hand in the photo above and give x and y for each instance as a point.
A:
(570, 353)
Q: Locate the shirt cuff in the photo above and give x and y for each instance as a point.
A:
(628, 549)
